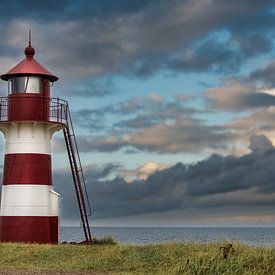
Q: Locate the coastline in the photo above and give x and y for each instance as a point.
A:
(255, 236)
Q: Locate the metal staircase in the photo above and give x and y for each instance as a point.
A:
(78, 177)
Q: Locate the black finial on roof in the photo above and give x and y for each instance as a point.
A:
(29, 51)
(30, 37)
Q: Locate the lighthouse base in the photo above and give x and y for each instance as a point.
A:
(29, 229)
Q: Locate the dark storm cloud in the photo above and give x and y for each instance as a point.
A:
(64, 185)
(210, 184)
(260, 143)
(142, 37)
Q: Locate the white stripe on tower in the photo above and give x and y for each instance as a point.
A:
(29, 200)
(32, 137)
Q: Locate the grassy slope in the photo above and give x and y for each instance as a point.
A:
(149, 259)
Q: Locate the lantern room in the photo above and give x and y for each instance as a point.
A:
(29, 76)
(29, 95)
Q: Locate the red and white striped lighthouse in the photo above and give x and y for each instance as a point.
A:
(28, 119)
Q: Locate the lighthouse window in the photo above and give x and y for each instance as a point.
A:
(25, 84)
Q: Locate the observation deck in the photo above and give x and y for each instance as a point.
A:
(29, 107)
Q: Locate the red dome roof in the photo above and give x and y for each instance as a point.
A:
(29, 66)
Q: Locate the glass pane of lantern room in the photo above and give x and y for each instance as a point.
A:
(33, 85)
(18, 84)
(9, 86)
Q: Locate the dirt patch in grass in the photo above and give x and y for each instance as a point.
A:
(48, 272)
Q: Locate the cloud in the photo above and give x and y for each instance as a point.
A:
(64, 184)
(210, 55)
(132, 114)
(149, 168)
(141, 172)
(253, 43)
(258, 122)
(152, 101)
(214, 183)
(244, 93)
(151, 116)
(260, 143)
(68, 9)
(235, 95)
(145, 170)
(94, 39)
(182, 135)
(266, 74)
(89, 119)
(153, 124)
(252, 95)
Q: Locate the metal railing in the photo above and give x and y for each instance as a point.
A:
(50, 109)
(58, 110)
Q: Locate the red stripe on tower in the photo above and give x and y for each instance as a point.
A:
(27, 169)
(29, 229)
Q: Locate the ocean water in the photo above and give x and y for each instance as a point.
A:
(255, 236)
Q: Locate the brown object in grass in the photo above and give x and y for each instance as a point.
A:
(226, 250)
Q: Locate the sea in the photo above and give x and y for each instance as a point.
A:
(254, 236)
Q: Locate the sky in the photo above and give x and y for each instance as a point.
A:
(173, 105)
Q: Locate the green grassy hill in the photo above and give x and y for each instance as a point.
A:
(176, 258)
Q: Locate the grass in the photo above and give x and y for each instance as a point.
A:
(147, 259)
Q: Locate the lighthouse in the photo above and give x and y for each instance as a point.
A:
(29, 117)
